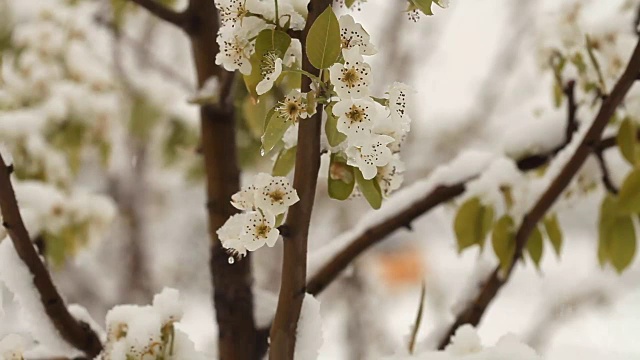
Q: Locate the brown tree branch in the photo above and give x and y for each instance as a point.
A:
(238, 338)
(441, 194)
(572, 122)
(233, 299)
(161, 11)
(378, 232)
(403, 218)
(606, 176)
(475, 310)
(75, 332)
(294, 263)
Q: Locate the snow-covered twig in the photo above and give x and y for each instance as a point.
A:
(73, 331)
(476, 308)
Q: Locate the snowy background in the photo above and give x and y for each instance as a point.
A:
(476, 68)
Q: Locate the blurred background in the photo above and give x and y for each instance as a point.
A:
(93, 107)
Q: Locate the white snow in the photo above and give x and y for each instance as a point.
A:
(309, 337)
(466, 345)
(17, 278)
(466, 166)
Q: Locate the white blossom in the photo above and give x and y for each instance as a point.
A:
(231, 232)
(355, 118)
(276, 195)
(399, 94)
(293, 107)
(235, 49)
(245, 199)
(353, 34)
(293, 55)
(270, 70)
(12, 346)
(234, 13)
(369, 156)
(391, 176)
(259, 229)
(290, 137)
(351, 79)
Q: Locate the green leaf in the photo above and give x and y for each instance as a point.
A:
(341, 179)
(274, 132)
(424, 6)
(621, 243)
(472, 223)
(370, 189)
(629, 197)
(626, 140)
(557, 94)
(285, 162)
(579, 63)
(334, 137)
(279, 220)
(267, 41)
(503, 241)
(608, 214)
(268, 117)
(552, 227)
(349, 3)
(323, 40)
(535, 246)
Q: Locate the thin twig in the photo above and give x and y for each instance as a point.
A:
(163, 12)
(572, 122)
(416, 325)
(294, 262)
(606, 177)
(476, 308)
(75, 332)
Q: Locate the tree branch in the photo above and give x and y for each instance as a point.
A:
(163, 12)
(294, 263)
(475, 310)
(75, 332)
(572, 123)
(379, 232)
(238, 338)
(606, 176)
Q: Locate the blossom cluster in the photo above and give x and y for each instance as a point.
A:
(148, 332)
(264, 202)
(242, 21)
(374, 128)
(364, 131)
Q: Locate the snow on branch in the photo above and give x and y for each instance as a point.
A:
(76, 333)
(401, 209)
(475, 309)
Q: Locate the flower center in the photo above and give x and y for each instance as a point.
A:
(268, 64)
(277, 195)
(291, 109)
(262, 230)
(355, 114)
(350, 77)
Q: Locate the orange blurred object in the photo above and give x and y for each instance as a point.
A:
(401, 267)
